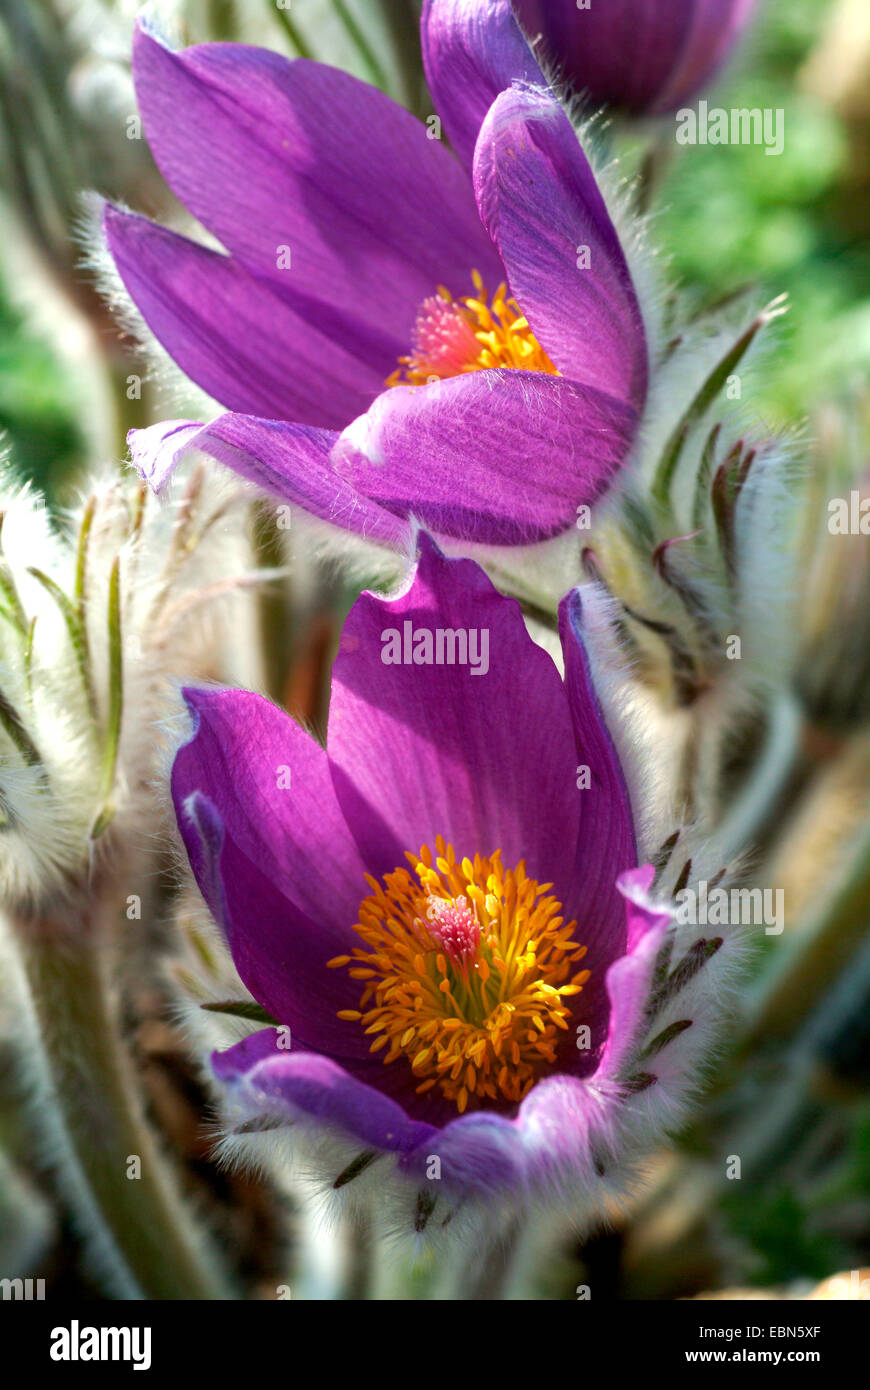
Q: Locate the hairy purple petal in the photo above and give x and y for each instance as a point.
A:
(273, 858)
(563, 258)
(279, 1081)
(233, 333)
(289, 461)
(499, 457)
(607, 846)
(472, 51)
(271, 153)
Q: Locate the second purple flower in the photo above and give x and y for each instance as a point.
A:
(442, 909)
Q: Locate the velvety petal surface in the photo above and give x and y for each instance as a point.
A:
(233, 333)
(472, 51)
(289, 461)
(539, 198)
(271, 153)
(499, 457)
(273, 859)
(487, 760)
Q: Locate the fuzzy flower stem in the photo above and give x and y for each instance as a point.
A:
(82, 558)
(78, 635)
(142, 1236)
(13, 725)
(116, 705)
(650, 174)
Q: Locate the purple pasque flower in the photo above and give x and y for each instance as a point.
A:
(444, 909)
(646, 56)
(393, 332)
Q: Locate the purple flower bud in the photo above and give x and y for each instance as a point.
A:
(648, 56)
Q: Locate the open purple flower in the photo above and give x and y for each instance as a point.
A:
(647, 56)
(392, 333)
(443, 906)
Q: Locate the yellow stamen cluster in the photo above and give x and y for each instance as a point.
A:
(452, 336)
(468, 972)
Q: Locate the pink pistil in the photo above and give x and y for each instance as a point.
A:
(443, 339)
(455, 927)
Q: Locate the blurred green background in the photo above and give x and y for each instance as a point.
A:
(798, 222)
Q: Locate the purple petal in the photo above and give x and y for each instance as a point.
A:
(479, 1153)
(669, 994)
(233, 333)
(472, 51)
(501, 457)
(607, 846)
(156, 451)
(570, 1125)
(629, 979)
(289, 461)
(539, 197)
(485, 759)
(270, 153)
(275, 862)
(269, 1080)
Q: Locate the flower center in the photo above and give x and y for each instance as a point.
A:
(452, 336)
(468, 970)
